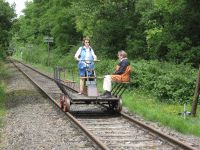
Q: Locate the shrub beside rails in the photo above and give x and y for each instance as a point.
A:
(169, 82)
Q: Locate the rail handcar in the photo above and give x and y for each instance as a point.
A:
(70, 91)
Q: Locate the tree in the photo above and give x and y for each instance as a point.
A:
(6, 19)
(156, 29)
(102, 21)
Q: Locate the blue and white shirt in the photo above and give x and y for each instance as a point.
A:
(88, 51)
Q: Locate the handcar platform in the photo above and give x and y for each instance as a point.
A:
(76, 97)
(70, 94)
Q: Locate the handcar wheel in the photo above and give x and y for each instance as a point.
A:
(110, 105)
(119, 106)
(113, 105)
(66, 105)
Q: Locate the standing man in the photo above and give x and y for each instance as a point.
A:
(86, 56)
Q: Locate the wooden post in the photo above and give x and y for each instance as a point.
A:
(196, 95)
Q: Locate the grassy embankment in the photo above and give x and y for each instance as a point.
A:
(3, 77)
(147, 104)
(2, 103)
(166, 114)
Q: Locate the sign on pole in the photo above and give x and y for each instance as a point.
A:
(48, 40)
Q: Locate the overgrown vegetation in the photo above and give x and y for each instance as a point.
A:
(2, 103)
(6, 19)
(159, 29)
(3, 76)
(169, 82)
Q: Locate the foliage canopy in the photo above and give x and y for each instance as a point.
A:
(6, 19)
(157, 29)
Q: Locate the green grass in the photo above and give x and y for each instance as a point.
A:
(3, 76)
(147, 106)
(43, 68)
(2, 102)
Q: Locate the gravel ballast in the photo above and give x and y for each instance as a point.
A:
(32, 122)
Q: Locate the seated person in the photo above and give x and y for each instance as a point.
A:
(121, 74)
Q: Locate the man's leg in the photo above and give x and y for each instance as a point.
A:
(82, 73)
(82, 85)
(107, 85)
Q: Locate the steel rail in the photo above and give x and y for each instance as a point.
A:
(84, 129)
(45, 74)
(164, 136)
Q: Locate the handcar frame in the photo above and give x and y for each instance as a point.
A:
(70, 94)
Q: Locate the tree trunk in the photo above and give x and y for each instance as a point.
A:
(196, 95)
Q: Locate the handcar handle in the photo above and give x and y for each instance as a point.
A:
(89, 60)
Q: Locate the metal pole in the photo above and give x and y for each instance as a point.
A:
(184, 111)
(30, 50)
(48, 54)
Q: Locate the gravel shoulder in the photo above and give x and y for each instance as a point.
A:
(33, 123)
(193, 141)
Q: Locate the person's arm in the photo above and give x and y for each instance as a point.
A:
(122, 68)
(78, 52)
(93, 54)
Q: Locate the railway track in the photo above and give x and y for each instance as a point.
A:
(108, 130)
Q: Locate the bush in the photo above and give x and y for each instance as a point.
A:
(3, 72)
(104, 67)
(168, 81)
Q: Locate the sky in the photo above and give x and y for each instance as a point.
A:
(20, 5)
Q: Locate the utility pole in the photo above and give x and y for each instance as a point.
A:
(30, 51)
(196, 95)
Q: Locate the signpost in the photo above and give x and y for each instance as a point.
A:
(30, 46)
(48, 40)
